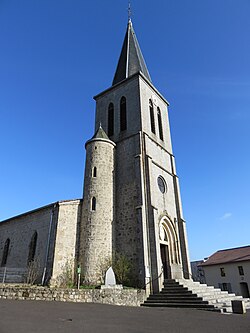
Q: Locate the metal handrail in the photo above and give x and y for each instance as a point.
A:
(151, 280)
(6, 271)
(184, 271)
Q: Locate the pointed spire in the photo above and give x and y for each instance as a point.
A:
(131, 60)
(100, 134)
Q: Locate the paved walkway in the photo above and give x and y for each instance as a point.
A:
(40, 317)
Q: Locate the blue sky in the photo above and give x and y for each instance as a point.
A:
(56, 55)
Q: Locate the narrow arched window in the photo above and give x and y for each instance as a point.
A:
(123, 114)
(160, 123)
(152, 117)
(111, 119)
(5, 252)
(94, 172)
(93, 203)
(32, 248)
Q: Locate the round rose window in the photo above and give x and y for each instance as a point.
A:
(161, 184)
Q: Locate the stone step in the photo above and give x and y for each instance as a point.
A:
(177, 301)
(174, 289)
(203, 287)
(169, 281)
(179, 296)
(171, 284)
(220, 297)
(192, 283)
(180, 305)
(214, 296)
(195, 285)
(207, 289)
(179, 293)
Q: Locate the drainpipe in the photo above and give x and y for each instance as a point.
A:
(4, 274)
(48, 243)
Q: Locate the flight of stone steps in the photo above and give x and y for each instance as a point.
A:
(189, 294)
(215, 296)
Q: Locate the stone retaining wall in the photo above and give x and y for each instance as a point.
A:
(128, 297)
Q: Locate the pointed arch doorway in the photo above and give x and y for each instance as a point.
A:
(165, 261)
(168, 248)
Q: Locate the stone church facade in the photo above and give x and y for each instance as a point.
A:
(131, 203)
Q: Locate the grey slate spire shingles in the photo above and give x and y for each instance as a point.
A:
(131, 60)
(100, 134)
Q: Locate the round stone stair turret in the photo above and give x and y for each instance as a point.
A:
(98, 207)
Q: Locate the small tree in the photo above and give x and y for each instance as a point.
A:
(102, 268)
(122, 268)
(66, 278)
(33, 271)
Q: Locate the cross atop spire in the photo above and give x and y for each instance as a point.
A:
(129, 11)
(131, 60)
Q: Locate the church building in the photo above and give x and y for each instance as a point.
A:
(131, 201)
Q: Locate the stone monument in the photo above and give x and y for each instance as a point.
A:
(110, 281)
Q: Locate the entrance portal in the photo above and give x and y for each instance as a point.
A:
(244, 289)
(169, 250)
(165, 261)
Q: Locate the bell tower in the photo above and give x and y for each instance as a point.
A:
(148, 225)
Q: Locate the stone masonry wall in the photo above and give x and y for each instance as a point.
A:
(128, 224)
(20, 230)
(130, 90)
(66, 238)
(96, 227)
(147, 92)
(128, 297)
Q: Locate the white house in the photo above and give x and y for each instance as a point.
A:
(229, 270)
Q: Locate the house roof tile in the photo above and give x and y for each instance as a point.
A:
(228, 256)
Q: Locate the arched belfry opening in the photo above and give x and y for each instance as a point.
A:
(169, 249)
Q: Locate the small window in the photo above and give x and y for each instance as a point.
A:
(241, 270)
(161, 184)
(152, 117)
(93, 204)
(123, 114)
(225, 287)
(222, 271)
(111, 119)
(94, 172)
(32, 248)
(5, 252)
(160, 123)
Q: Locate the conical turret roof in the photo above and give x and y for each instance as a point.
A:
(100, 134)
(131, 60)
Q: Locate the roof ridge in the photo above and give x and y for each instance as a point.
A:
(233, 248)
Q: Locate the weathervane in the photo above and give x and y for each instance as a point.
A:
(129, 11)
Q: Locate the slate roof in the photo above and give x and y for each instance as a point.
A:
(100, 134)
(131, 60)
(228, 256)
